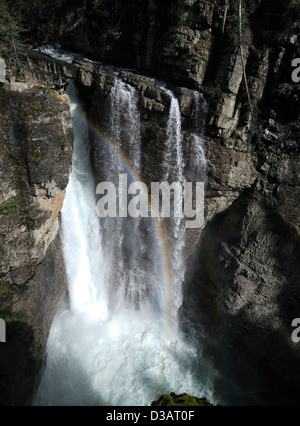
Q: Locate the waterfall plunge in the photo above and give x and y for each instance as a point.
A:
(102, 350)
(197, 161)
(125, 121)
(79, 219)
(173, 167)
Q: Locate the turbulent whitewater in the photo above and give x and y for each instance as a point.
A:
(109, 344)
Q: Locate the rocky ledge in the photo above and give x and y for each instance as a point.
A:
(183, 400)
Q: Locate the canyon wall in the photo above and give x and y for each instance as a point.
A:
(36, 140)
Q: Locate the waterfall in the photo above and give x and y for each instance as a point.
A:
(173, 162)
(173, 167)
(197, 164)
(109, 346)
(123, 238)
(125, 121)
(79, 219)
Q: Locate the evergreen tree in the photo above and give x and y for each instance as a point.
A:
(10, 29)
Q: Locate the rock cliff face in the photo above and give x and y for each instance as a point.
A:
(196, 44)
(35, 158)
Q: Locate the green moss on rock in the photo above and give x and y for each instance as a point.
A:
(9, 207)
(3, 289)
(16, 317)
(183, 400)
(35, 155)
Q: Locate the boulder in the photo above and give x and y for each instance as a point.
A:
(183, 400)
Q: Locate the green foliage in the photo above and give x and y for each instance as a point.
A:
(233, 26)
(3, 289)
(64, 145)
(38, 22)
(234, 29)
(9, 207)
(214, 91)
(10, 28)
(35, 155)
(20, 316)
(50, 96)
(173, 400)
(29, 221)
(43, 20)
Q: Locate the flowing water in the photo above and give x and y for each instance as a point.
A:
(111, 345)
(123, 241)
(198, 162)
(173, 167)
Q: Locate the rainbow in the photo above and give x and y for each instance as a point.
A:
(165, 269)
